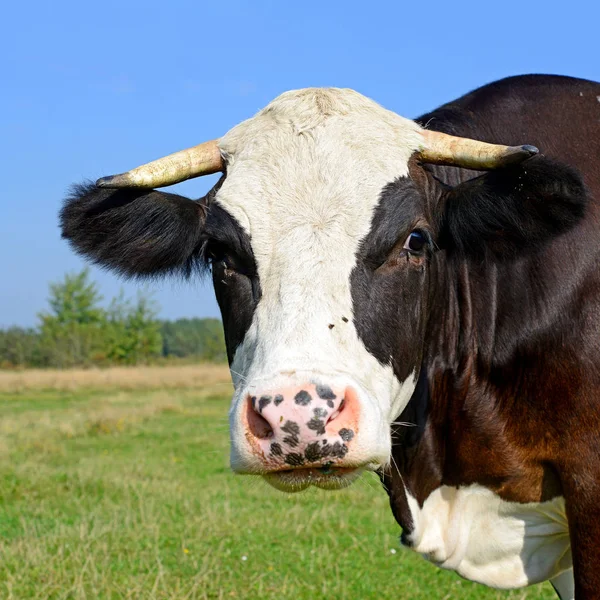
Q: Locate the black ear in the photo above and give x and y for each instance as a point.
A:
(512, 210)
(135, 232)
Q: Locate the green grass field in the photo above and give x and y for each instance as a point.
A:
(113, 493)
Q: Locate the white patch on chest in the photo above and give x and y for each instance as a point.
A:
(483, 538)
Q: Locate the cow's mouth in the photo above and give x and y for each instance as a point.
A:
(326, 478)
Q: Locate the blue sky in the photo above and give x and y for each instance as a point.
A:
(90, 89)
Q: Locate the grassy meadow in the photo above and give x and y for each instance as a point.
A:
(115, 484)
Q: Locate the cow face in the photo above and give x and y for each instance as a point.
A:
(320, 296)
(319, 238)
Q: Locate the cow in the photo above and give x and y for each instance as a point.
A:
(416, 297)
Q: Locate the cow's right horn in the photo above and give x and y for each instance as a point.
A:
(443, 149)
(203, 159)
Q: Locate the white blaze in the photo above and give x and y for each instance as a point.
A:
(304, 177)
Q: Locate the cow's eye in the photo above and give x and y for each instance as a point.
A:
(221, 257)
(215, 253)
(415, 242)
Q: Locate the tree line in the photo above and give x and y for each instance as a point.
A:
(77, 331)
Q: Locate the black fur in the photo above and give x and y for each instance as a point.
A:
(388, 283)
(138, 233)
(234, 273)
(506, 212)
(148, 233)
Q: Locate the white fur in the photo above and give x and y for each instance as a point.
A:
(501, 544)
(303, 179)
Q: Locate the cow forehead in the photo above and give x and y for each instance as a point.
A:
(313, 161)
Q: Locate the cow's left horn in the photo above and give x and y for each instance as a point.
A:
(185, 164)
(443, 149)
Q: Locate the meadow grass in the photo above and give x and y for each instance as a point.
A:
(115, 484)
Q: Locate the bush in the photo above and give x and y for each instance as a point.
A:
(77, 331)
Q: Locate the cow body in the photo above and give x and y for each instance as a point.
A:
(507, 410)
(437, 324)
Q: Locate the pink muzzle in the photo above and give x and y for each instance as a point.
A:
(305, 426)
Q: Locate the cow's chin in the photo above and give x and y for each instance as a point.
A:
(297, 480)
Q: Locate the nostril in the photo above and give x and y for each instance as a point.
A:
(257, 424)
(336, 413)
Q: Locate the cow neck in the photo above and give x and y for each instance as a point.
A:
(471, 395)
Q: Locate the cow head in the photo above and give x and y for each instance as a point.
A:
(319, 237)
